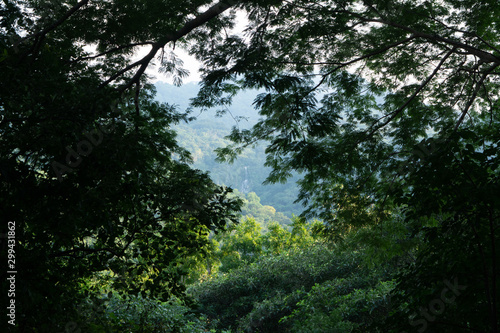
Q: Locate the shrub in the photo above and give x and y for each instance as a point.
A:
(260, 294)
(137, 314)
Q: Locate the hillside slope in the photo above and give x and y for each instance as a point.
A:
(203, 135)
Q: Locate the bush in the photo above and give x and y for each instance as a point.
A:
(258, 295)
(342, 305)
(137, 314)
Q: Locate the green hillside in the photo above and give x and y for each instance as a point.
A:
(203, 135)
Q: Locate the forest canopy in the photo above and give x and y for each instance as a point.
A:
(389, 110)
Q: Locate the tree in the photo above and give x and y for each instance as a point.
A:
(255, 297)
(242, 246)
(456, 209)
(359, 96)
(100, 195)
(386, 79)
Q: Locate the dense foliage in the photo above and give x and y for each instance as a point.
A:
(294, 281)
(389, 110)
(100, 192)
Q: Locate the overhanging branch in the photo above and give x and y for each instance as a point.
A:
(198, 21)
(393, 114)
(485, 56)
(474, 95)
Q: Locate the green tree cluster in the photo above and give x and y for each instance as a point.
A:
(264, 214)
(386, 108)
(311, 289)
(100, 193)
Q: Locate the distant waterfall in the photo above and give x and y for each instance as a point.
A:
(245, 184)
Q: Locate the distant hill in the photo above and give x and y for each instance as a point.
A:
(180, 96)
(202, 136)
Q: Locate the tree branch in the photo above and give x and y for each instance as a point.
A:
(144, 62)
(70, 12)
(474, 95)
(393, 114)
(111, 51)
(41, 34)
(465, 32)
(366, 56)
(485, 56)
(198, 21)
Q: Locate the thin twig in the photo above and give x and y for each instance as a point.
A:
(474, 95)
(115, 49)
(393, 114)
(198, 21)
